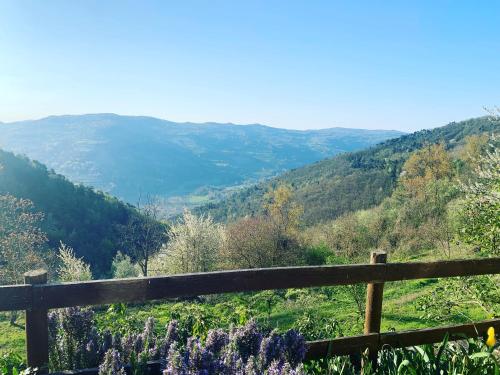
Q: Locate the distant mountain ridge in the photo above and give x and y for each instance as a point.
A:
(350, 181)
(130, 156)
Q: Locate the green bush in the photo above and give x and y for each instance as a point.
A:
(11, 364)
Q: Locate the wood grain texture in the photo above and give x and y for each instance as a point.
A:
(353, 344)
(434, 335)
(151, 288)
(154, 288)
(15, 297)
(374, 298)
(37, 332)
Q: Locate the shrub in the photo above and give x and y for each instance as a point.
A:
(122, 267)
(11, 363)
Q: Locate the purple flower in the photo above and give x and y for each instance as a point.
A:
(112, 364)
(171, 337)
(295, 347)
(92, 353)
(127, 345)
(107, 341)
(148, 333)
(216, 340)
(77, 323)
(117, 342)
(271, 349)
(247, 340)
(53, 323)
(138, 344)
(252, 367)
(175, 362)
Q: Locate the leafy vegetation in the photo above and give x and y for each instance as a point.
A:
(350, 181)
(461, 358)
(443, 203)
(75, 343)
(78, 216)
(249, 349)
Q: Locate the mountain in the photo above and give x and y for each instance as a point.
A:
(133, 156)
(350, 181)
(80, 217)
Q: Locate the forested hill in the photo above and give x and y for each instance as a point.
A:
(350, 181)
(130, 156)
(79, 216)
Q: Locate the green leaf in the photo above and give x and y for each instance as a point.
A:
(479, 355)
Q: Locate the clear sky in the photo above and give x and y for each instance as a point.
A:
(296, 64)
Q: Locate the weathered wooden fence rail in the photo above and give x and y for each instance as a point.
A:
(36, 297)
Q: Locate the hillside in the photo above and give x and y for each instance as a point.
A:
(133, 156)
(350, 181)
(80, 217)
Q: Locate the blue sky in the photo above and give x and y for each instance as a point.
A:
(295, 64)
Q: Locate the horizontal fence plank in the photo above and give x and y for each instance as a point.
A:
(341, 346)
(434, 335)
(15, 297)
(153, 288)
(163, 287)
(355, 344)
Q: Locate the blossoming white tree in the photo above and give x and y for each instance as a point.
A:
(194, 246)
(72, 268)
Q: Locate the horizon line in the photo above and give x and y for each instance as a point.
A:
(199, 123)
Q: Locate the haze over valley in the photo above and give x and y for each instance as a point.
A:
(182, 163)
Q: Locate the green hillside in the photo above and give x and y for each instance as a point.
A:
(79, 216)
(350, 181)
(131, 156)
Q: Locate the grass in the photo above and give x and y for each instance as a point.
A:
(12, 338)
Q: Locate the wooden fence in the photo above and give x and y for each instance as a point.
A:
(36, 297)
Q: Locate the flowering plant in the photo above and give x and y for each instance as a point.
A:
(75, 343)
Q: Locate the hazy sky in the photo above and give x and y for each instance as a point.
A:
(296, 64)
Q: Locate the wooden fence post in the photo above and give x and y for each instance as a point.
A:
(37, 333)
(373, 312)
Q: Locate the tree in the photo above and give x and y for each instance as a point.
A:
(480, 214)
(250, 244)
(283, 216)
(144, 234)
(21, 240)
(267, 240)
(431, 163)
(72, 268)
(195, 245)
(474, 146)
(282, 211)
(421, 201)
(122, 267)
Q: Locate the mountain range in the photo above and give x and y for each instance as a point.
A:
(130, 157)
(350, 181)
(88, 220)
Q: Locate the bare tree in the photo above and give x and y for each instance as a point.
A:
(250, 244)
(144, 234)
